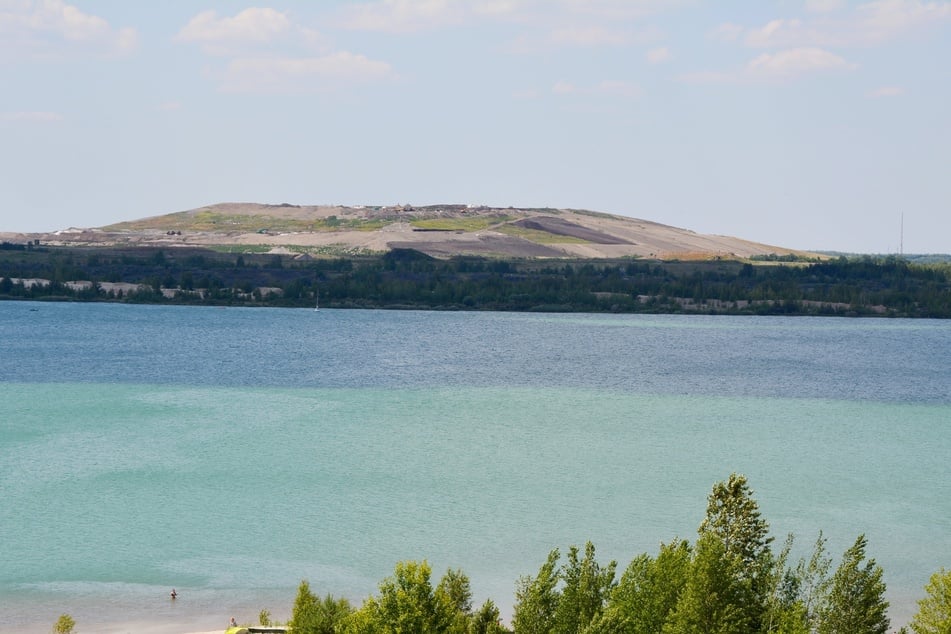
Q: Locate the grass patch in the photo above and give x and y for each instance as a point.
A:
(593, 214)
(211, 221)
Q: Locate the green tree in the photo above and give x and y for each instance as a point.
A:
(715, 599)
(304, 615)
(407, 604)
(315, 616)
(454, 591)
(64, 625)
(454, 585)
(649, 588)
(585, 591)
(536, 599)
(784, 611)
(934, 611)
(331, 612)
(813, 582)
(486, 620)
(362, 621)
(733, 518)
(856, 602)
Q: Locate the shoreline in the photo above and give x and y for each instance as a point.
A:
(209, 621)
(194, 612)
(203, 626)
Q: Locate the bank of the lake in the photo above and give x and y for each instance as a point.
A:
(407, 279)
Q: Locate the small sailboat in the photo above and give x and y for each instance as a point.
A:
(316, 301)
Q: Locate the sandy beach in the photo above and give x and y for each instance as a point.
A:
(139, 627)
(107, 621)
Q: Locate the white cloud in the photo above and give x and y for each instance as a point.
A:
(867, 24)
(887, 91)
(31, 117)
(302, 74)
(266, 51)
(563, 88)
(789, 33)
(402, 16)
(413, 15)
(658, 55)
(170, 106)
(250, 29)
(763, 35)
(496, 7)
(782, 65)
(620, 9)
(576, 36)
(885, 19)
(251, 25)
(53, 29)
(548, 23)
(824, 6)
(797, 61)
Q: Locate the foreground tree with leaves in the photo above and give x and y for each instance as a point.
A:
(728, 582)
(812, 583)
(585, 590)
(312, 615)
(729, 578)
(648, 591)
(934, 611)
(409, 604)
(64, 625)
(856, 603)
(716, 598)
(487, 620)
(536, 599)
(565, 600)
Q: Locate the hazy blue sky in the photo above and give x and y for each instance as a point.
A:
(802, 123)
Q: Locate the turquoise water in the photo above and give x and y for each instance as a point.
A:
(230, 453)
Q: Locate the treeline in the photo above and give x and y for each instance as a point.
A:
(731, 580)
(887, 286)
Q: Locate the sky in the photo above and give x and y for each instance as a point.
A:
(810, 124)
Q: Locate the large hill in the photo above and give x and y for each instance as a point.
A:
(438, 230)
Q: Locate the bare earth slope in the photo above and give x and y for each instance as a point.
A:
(439, 230)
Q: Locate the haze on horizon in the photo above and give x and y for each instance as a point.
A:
(808, 124)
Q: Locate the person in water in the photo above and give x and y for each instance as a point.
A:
(233, 622)
(173, 594)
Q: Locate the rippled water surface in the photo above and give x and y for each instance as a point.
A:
(231, 453)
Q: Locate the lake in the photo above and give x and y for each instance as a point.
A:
(232, 452)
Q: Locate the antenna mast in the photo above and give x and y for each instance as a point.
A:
(901, 236)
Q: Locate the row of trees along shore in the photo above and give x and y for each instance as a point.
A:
(881, 286)
(731, 580)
